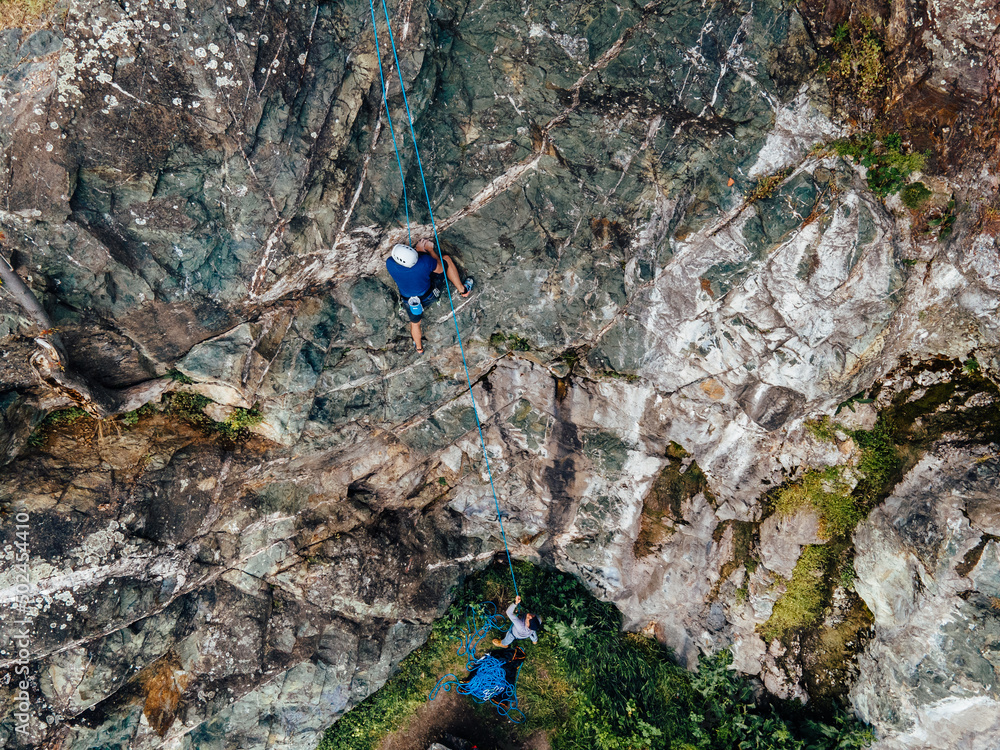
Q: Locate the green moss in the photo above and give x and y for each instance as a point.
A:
(54, 420)
(915, 195)
(766, 186)
(879, 462)
(662, 506)
(805, 596)
(744, 540)
(588, 685)
(823, 429)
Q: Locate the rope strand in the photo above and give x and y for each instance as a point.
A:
(392, 132)
(437, 245)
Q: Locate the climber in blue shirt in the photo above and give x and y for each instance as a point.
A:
(418, 273)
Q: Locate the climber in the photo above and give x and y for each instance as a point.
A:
(419, 276)
(526, 628)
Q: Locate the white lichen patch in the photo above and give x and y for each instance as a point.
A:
(99, 546)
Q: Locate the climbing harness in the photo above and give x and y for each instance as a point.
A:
(437, 244)
(493, 676)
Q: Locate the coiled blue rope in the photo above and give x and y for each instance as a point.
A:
(488, 682)
(437, 245)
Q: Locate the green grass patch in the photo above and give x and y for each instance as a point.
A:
(828, 492)
(54, 420)
(590, 686)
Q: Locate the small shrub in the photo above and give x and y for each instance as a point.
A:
(861, 60)
(510, 341)
(970, 366)
(766, 186)
(915, 195)
(189, 407)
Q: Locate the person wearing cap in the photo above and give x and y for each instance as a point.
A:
(520, 628)
(418, 273)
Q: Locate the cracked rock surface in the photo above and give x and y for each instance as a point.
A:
(206, 192)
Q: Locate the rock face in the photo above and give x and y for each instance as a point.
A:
(209, 190)
(929, 573)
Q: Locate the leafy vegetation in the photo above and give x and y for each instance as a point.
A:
(179, 377)
(884, 158)
(944, 221)
(593, 687)
(190, 407)
(237, 424)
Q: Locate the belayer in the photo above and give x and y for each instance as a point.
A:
(419, 276)
(520, 628)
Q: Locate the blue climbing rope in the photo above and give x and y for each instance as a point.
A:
(437, 244)
(392, 132)
(488, 681)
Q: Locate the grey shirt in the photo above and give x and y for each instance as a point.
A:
(519, 628)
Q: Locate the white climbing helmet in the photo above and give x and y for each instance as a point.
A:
(405, 255)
